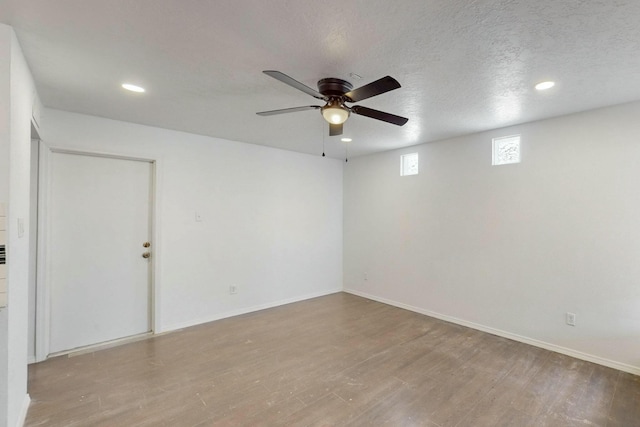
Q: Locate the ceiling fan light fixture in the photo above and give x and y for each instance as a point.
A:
(335, 113)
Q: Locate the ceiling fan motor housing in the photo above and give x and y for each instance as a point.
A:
(332, 87)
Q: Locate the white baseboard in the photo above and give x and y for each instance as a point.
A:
(79, 351)
(531, 341)
(246, 310)
(22, 417)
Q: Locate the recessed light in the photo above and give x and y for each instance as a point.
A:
(346, 140)
(545, 85)
(133, 88)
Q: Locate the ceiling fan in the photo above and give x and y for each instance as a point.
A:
(336, 92)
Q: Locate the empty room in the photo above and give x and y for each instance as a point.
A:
(305, 213)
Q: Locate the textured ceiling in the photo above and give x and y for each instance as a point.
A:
(464, 66)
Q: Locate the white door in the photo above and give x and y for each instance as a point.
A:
(99, 220)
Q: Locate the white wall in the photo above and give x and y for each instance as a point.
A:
(271, 219)
(15, 125)
(510, 249)
(5, 117)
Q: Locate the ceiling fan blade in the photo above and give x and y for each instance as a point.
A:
(379, 115)
(378, 87)
(335, 129)
(288, 110)
(293, 83)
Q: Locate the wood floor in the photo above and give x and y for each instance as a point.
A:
(329, 361)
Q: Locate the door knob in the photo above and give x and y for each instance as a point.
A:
(146, 244)
(146, 255)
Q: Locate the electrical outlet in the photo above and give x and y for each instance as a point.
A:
(233, 289)
(571, 319)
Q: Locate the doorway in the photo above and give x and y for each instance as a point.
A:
(98, 250)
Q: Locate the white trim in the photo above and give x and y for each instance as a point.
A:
(33, 242)
(78, 351)
(245, 310)
(43, 303)
(156, 260)
(531, 341)
(110, 155)
(22, 416)
(42, 261)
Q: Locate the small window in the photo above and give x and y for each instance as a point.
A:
(409, 164)
(506, 150)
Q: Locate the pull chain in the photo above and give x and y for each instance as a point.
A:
(346, 152)
(322, 131)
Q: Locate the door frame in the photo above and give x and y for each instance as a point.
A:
(34, 183)
(43, 282)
